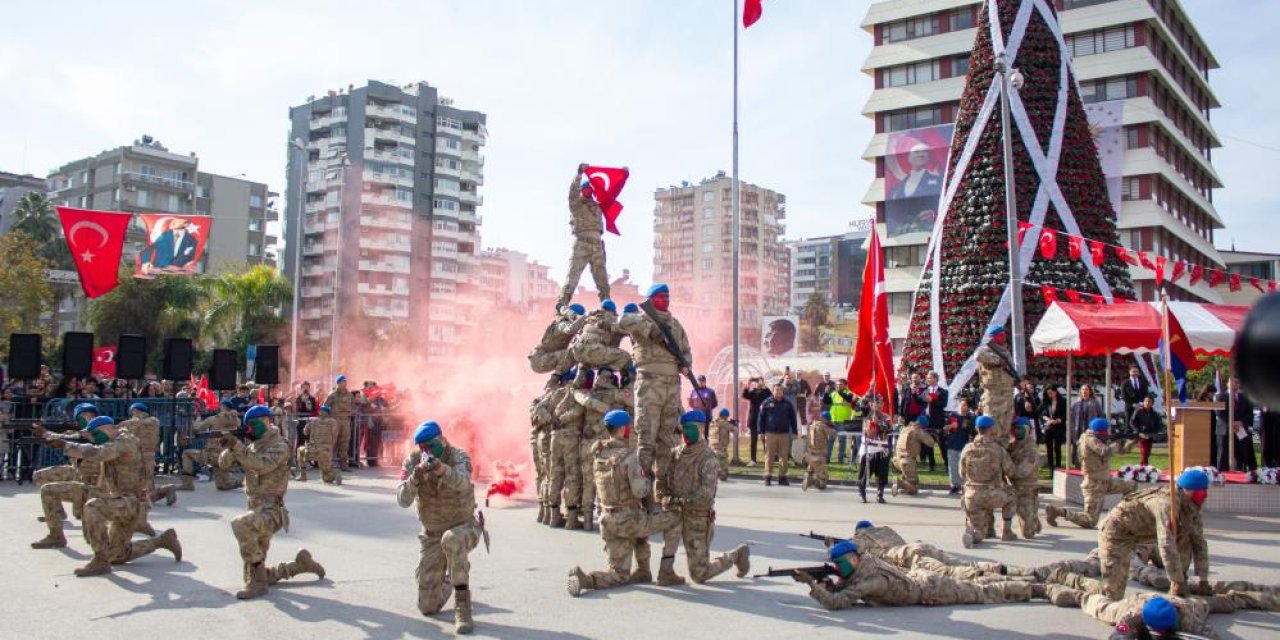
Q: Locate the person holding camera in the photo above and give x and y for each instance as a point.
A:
(755, 394)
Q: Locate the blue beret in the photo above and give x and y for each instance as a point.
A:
(140, 406)
(341, 378)
(83, 407)
(984, 422)
(1159, 614)
(922, 420)
(609, 305)
(617, 418)
(100, 421)
(841, 548)
(256, 411)
(228, 403)
(577, 308)
(826, 415)
(324, 408)
(428, 430)
(695, 415)
(655, 289)
(863, 524)
(724, 413)
(1193, 480)
(1099, 424)
(1022, 420)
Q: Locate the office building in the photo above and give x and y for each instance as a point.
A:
(830, 266)
(241, 210)
(12, 188)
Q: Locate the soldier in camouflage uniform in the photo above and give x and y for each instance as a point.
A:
(885, 543)
(193, 459)
(266, 468)
(552, 353)
(74, 482)
(566, 467)
(540, 422)
(321, 433)
(1026, 477)
(984, 465)
(865, 578)
(544, 413)
(110, 517)
(996, 372)
(586, 220)
(343, 405)
(1141, 569)
(1155, 612)
(658, 380)
(438, 477)
(597, 345)
(147, 429)
(719, 437)
(694, 474)
(1098, 483)
(817, 442)
(603, 397)
(912, 438)
(625, 525)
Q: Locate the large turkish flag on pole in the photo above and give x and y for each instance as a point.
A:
(96, 242)
(606, 185)
(872, 366)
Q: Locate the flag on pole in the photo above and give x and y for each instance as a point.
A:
(96, 242)
(604, 185)
(751, 12)
(872, 366)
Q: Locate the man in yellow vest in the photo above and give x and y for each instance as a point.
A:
(841, 399)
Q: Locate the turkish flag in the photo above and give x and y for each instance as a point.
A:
(871, 370)
(1271, 285)
(1048, 243)
(1125, 256)
(751, 12)
(1234, 282)
(604, 185)
(1050, 294)
(96, 242)
(1097, 251)
(1073, 296)
(1145, 261)
(1197, 274)
(1159, 269)
(1257, 283)
(1075, 247)
(1023, 227)
(1215, 278)
(262, 395)
(1179, 268)
(104, 362)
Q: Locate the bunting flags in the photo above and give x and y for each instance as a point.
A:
(1075, 247)
(1048, 243)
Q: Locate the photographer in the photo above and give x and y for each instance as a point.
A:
(755, 394)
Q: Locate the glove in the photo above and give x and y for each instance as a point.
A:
(800, 576)
(631, 308)
(55, 443)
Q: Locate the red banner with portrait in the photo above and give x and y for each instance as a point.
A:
(175, 244)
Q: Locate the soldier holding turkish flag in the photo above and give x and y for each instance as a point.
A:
(593, 204)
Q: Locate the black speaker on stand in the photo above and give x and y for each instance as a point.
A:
(24, 356)
(131, 357)
(267, 364)
(222, 372)
(77, 354)
(177, 359)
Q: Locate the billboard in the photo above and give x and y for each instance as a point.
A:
(780, 336)
(174, 244)
(914, 162)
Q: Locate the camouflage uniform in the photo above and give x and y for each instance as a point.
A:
(587, 222)
(910, 440)
(552, 352)
(566, 467)
(74, 483)
(997, 388)
(816, 441)
(602, 398)
(321, 434)
(984, 465)
(1026, 484)
(694, 474)
(1193, 613)
(1143, 517)
(885, 543)
(542, 421)
(877, 583)
(193, 459)
(1097, 484)
(625, 526)
(657, 388)
(1141, 570)
(450, 529)
(148, 432)
(342, 404)
(720, 434)
(597, 344)
(266, 468)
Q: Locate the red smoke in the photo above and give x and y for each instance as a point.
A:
(507, 481)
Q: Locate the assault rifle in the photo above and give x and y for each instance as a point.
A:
(669, 341)
(818, 571)
(827, 540)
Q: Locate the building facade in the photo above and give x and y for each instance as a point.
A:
(387, 179)
(830, 266)
(693, 251)
(508, 279)
(1142, 60)
(241, 210)
(12, 188)
(1250, 264)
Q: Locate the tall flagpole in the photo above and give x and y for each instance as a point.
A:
(737, 211)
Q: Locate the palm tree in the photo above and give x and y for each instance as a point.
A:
(35, 216)
(813, 317)
(156, 309)
(243, 307)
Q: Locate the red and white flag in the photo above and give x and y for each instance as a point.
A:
(604, 185)
(872, 366)
(96, 242)
(104, 362)
(751, 12)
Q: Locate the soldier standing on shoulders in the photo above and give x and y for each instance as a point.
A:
(996, 371)
(552, 353)
(586, 220)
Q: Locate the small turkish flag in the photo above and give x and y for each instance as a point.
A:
(1048, 243)
(751, 12)
(1126, 256)
(1050, 294)
(1257, 283)
(1215, 278)
(1197, 274)
(1073, 296)
(1145, 261)
(1097, 251)
(604, 185)
(1234, 282)
(1075, 247)
(96, 242)
(1159, 269)
(104, 362)
(1023, 227)
(1179, 268)
(1271, 285)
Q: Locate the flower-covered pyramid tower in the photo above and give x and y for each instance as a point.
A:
(964, 287)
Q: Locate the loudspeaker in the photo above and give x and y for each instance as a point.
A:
(24, 356)
(131, 357)
(177, 359)
(77, 354)
(222, 373)
(267, 364)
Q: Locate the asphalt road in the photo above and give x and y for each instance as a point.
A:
(368, 545)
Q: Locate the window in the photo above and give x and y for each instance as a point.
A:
(900, 303)
(911, 28)
(708, 213)
(404, 195)
(144, 198)
(960, 66)
(255, 224)
(448, 123)
(450, 143)
(147, 170)
(708, 246)
(907, 74)
(708, 196)
(255, 201)
(1108, 89)
(905, 256)
(253, 248)
(962, 19)
(913, 118)
(173, 203)
(117, 168)
(447, 205)
(706, 264)
(1131, 189)
(446, 184)
(1131, 138)
(1101, 41)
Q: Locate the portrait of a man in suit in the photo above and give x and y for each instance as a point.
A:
(173, 250)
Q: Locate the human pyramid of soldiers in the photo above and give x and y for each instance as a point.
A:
(593, 474)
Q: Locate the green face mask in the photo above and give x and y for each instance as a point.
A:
(435, 446)
(82, 420)
(257, 428)
(844, 567)
(691, 432)
(98, 436)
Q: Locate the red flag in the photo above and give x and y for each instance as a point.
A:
(1145, 261)
(1234, 282)
(1159, 269)
(1271, 285)
(1125, 256)
(1023, 227)
(1073, 296)
(104, 362)
(872, 366)
(1050, 294)
(1215, 278)
(1048, 243)
(1257, 283)
(604, 185)
(96, 242)
(205, 395)
(1179, 268)
(1197, 274)
(262, 395)
(751, 12)
(1098, 251)
(1075, 247)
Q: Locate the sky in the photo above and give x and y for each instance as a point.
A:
(641, 83)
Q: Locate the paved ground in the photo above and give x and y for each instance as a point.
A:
(368, 545)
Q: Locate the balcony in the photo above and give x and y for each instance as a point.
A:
(316, 249)
(389, 135)
(386, 312)
(385, 245)
(384, 222)
(384, 267)
(398, 112)
(452, 276)
(445, 171)
(378, 177)
(468, 216)
(472, 174)
(442, 147)
(313, 313)
(317, 291)
(473, 135)
(388, 201)
(389, 156)
(471, 197)
(377, 290)
(150, 178)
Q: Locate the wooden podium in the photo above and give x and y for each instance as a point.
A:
(1191, 436)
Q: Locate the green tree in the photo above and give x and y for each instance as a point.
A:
(815, 315)
(162, 308)
(242, 307)
(24, 293)
(34, 215)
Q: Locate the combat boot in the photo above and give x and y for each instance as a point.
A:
(542, 513)
(462, 623)
(641, 574)
(304, 563)
(1006, 532)
(967, 540)
(168, 492)
(55, 540)
(255, 585)
(169, 542)
(589, 519)
(1051, 515)
(742, 560)
(572, 521)
(1062, 596)
(580, 581)
(97, 566)
(188, 483)
(783, 482)
(768, 480)
(667, 576)
(557, 518)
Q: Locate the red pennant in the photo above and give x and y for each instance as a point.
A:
(1127, 256)
(104, 362)
(1159, 269)
(1234, 283)
(1048, 243)
(1073, 296)
(1257, 283)
(751, 12)
(1271, 286)
(1178, 269)
(1145, 260)
(1075, 247)
(1215, 278)
(1098, 251)
(96, 242)
(1050, 294)
(1197, 274)
(1023, 228)
(262, 395)
(604, 186)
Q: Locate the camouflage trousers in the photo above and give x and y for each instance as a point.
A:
(1085, 579)
(1095, 493)
(595, 355)
(980, 504)
(542, 456)
(926, 557)
(585, 457)
(908, 482)
(626, 533)
(587, 250)
(342, 442)
(936, 589)
(60, 473)
(658, 412)
(443, 564)
(1115, 553)
(722, 454)
(815, 474)
(254, 529)
(195, 459)
(548, 361)
(997, 402)
(109, 523)
(566, 468)
(1026, 499)
(322, 455)
(53, 494)
(697, 528)
(1193, 613)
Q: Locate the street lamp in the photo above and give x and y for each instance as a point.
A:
(300, 160)
(1012, 80)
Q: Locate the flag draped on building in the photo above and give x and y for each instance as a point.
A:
(604, 185)
(872, 366)
(96, 242)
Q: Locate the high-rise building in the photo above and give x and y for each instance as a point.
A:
(241, 210)
(12, 188)
(1141, 61)
(693, 250)
(830, 266)
(391, 226)
(508, 279)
